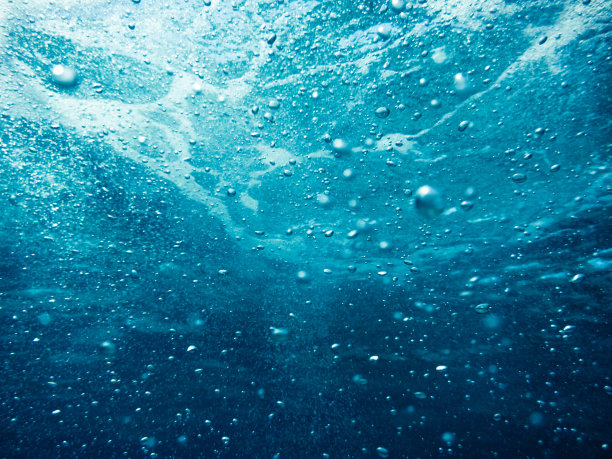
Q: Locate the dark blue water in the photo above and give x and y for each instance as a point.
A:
(287, 229)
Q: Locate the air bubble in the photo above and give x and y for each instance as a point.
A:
(397, 5)
(461, 83)
(280, 334)
(467, 205)
(63, 75)
(384, 32)
(271, 38)
(429, 201)
(341, 147)
(382, 112)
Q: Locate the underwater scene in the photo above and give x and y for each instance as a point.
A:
(306, 228)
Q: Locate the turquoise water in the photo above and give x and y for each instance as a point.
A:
(288, 229)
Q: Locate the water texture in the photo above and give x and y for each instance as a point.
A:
(290, 228)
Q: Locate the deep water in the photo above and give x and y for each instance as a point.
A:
(301, 229)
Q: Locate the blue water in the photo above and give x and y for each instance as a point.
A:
(286, 229)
